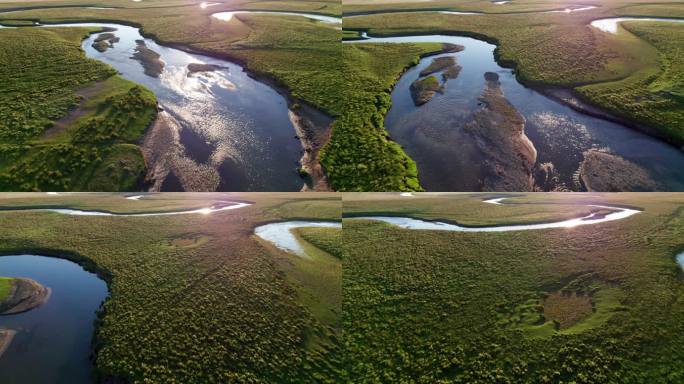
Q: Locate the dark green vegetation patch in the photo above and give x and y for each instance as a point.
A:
(70, 122)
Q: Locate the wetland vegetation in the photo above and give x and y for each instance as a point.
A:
(593, 303)
(196, 297)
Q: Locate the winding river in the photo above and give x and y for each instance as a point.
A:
(222, 129)
(610, 25)
(227, 16)
(52, 344)
(281, 235)
(616, 213)
(217, 207)
(451, 158)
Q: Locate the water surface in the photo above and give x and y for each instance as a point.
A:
(280, 234)
(52, 344)
(218, 207)
(610, 25)
(590, 219)
(227, 16)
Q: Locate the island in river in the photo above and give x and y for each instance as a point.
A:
(18, 295)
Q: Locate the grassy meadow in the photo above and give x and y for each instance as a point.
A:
(69, 123)
(597, 303)
(198, 298)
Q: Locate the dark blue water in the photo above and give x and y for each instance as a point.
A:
(53, 341)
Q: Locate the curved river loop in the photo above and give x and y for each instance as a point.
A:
(220, 129)
(598, 216)
(560, 136)
(281, 235)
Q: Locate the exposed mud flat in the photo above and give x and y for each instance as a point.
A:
(26, 294)
(561, 127)
(6, 336)
(313, 130)
(150, 60)
(604, 172)
(498, 130)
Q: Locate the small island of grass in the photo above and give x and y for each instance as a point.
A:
(423, 90)
(20, 295)
(104, 41)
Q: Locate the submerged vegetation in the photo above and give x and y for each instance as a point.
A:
(587, 304)
(70, 121)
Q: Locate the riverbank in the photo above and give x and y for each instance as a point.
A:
(25, 295)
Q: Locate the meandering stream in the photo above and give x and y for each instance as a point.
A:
(450, 157)
(52, 344)
(610, 25)
(281, 235)
(617, 213)
(227, 16)
(217, 207)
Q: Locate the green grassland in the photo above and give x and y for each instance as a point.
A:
(653, 95)
(454, 307)
(5, 287)
(46, 78)
(230, 308)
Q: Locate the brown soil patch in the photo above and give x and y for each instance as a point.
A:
(498, 130)
(605, 172)
(6, 336)
(567, 308)
(65, 122)
(188, 241)
(150, 60)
